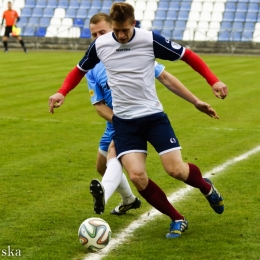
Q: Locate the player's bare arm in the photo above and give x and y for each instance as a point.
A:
(104, 111)
(175, 86)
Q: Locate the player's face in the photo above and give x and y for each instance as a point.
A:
(9, 6)
(123, 31)
(99, 28)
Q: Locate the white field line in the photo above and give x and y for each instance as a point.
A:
(150, 215)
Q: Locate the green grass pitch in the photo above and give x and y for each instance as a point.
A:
(47, 162)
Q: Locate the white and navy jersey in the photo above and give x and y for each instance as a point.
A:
(99, 89)
(130, 69)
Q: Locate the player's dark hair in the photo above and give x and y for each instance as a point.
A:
(100, 17)
(120, 12)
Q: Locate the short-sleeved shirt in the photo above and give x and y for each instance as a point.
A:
(10, 17)
(99, 90)
(130, 69)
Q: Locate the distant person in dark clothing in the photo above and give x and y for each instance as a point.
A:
(11, 18)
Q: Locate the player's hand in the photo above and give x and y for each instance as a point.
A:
(55, 101)
(207, 109)
(220, 90)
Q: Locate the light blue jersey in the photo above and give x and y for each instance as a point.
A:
(99, 91)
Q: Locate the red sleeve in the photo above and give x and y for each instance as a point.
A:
(200, 66)
(71, 81)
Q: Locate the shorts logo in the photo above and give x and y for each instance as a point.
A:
(172, 140)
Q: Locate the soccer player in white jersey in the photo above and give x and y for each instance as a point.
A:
(100, 95)
(128, 54)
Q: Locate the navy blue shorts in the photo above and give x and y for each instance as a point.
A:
(132, 135)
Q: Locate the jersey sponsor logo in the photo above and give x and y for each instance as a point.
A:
(172, 140)
(175, 45)
(124, 49)
(91, 92)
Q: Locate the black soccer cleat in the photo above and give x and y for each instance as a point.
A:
(98, 193)
(121, 209)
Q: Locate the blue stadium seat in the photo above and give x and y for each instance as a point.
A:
(96, 4)
(185, 5)
(86, 23)
(28, 31)
(174, 5)
(251, 16)
(41, 3)
(172, 15)
(48, 12)
(180, 25)
(258, 17)
(26, 12)
(230, 6)
(85, 4)
(29, 3)
(107, 3)
(241, 6)
(40, 32)
(52, 4)
(177, 34)
(249, 26)
(238, 26)
(157, 24)
(163, 5)
(33, 21)
(235, 36)
(160, 15)
(71, 12)
(78, 22)
(85, 33)
(226, 25)
(22, 22)
(74, 4)
(91, 12)
(105, 10)
(228, 16)
(183, 15)
(44, 21)
(224, 35)
(63, 4)
(253, 7)
(37, 12)
(247, 36)
(166, 33)
(240, 16)
(81, 13)
(168, 24)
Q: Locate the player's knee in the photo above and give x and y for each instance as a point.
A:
(177, 173)
(136, 177)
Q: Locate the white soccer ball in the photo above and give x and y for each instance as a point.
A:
(94, 233)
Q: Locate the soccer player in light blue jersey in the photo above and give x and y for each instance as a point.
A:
(128, 54)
